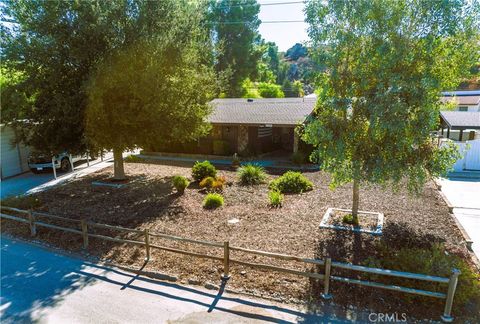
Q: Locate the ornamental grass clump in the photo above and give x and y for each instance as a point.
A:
(213, 184)
(201, 170)
(275, 198)
(212, 201)
(180, 183)
(291, 182)
(251, 174)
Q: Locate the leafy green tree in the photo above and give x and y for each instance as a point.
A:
(156, 92)
(56, 44)
(270, 90)
(387, 62)
(15, 99)
(235, 30)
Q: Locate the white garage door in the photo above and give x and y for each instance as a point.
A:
(9, 158)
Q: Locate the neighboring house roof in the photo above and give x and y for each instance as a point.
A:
(461, 119)
(461, 93)
(462, 100)
(264, 111)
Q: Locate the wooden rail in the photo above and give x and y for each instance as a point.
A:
(327, 264)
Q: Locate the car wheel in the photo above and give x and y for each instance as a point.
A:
(65, 165)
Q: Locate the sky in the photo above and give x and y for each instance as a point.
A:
(285, 35)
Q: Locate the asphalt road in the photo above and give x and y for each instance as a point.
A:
(38, 285)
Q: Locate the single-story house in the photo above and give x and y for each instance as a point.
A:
(463, 100)
(250, 127)
(13, 155)
(258, 125)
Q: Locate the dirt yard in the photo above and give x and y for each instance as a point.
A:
(149, 201)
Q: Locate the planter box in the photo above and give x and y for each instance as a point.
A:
(325, 223)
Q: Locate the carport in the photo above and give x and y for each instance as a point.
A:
(461, 121)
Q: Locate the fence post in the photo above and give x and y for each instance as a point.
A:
(53, 167)
(452, 285)
(147, 244)
(85, 234)
(226, 261)
(326, 279)
(33, 227)
(70, 159)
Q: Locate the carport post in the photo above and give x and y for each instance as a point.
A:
(71, 161)
(461, 135)
(88, 159)
(53, 167)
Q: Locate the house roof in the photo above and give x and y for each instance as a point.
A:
(461, 119)
(462, 100)
(264, 111)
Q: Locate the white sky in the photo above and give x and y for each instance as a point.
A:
(285, 35)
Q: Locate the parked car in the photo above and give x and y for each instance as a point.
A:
(38, 162)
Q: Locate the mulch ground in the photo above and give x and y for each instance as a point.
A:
(148, 201)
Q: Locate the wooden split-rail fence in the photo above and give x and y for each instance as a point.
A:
(33, 221)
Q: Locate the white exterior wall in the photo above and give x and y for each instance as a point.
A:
(13, 158)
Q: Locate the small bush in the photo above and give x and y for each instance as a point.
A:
(204, 169)
(212, 201)
(348, 219)
(180, 183)
(434, 261)
(21, 202)
(291, 182)
(221, 147)
(251, 174)
(211, 183)
(299, 157)
(207, 182)
(134, 159)
(275, 198)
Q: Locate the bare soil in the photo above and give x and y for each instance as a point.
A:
(149, 201)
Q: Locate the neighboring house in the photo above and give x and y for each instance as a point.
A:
(13, 157)
(250, 127)
(463, 100)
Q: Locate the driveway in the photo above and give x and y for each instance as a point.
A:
(464, 195)
(40, 286)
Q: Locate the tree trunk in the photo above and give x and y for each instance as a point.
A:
(118, 171)
(355, 200)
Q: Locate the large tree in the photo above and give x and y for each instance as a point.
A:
(235, 32)
(56, 44)
(155, 92)
(386, 63)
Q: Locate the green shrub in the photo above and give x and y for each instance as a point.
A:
(434, 261)
(212, 201)
(270, 90)
(276, 198)
(251, 174)
(204, 169)
(180, 183)
(298, 157)
(291, 182)
(134, 159)
(211, 183)
(221, 147)
(21, 202)
(348, 219)
(207, 182)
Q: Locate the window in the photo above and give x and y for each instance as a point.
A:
(463, 108)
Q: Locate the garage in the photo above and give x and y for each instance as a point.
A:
(13, 157)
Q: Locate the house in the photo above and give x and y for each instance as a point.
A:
(463, 100)
(13, 156)
(250, 127)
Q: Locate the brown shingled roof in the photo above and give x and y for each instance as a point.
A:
(264, 111)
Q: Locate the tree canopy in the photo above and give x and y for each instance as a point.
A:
(386, 64)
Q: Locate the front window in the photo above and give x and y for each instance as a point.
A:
(463, 108)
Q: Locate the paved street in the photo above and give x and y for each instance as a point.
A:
(40, 286)
(465, 196)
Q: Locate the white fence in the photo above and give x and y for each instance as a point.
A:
(470, 151)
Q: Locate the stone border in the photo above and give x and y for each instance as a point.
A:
(377, 231)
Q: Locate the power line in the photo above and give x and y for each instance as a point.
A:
(262, 22)
(260, 4)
